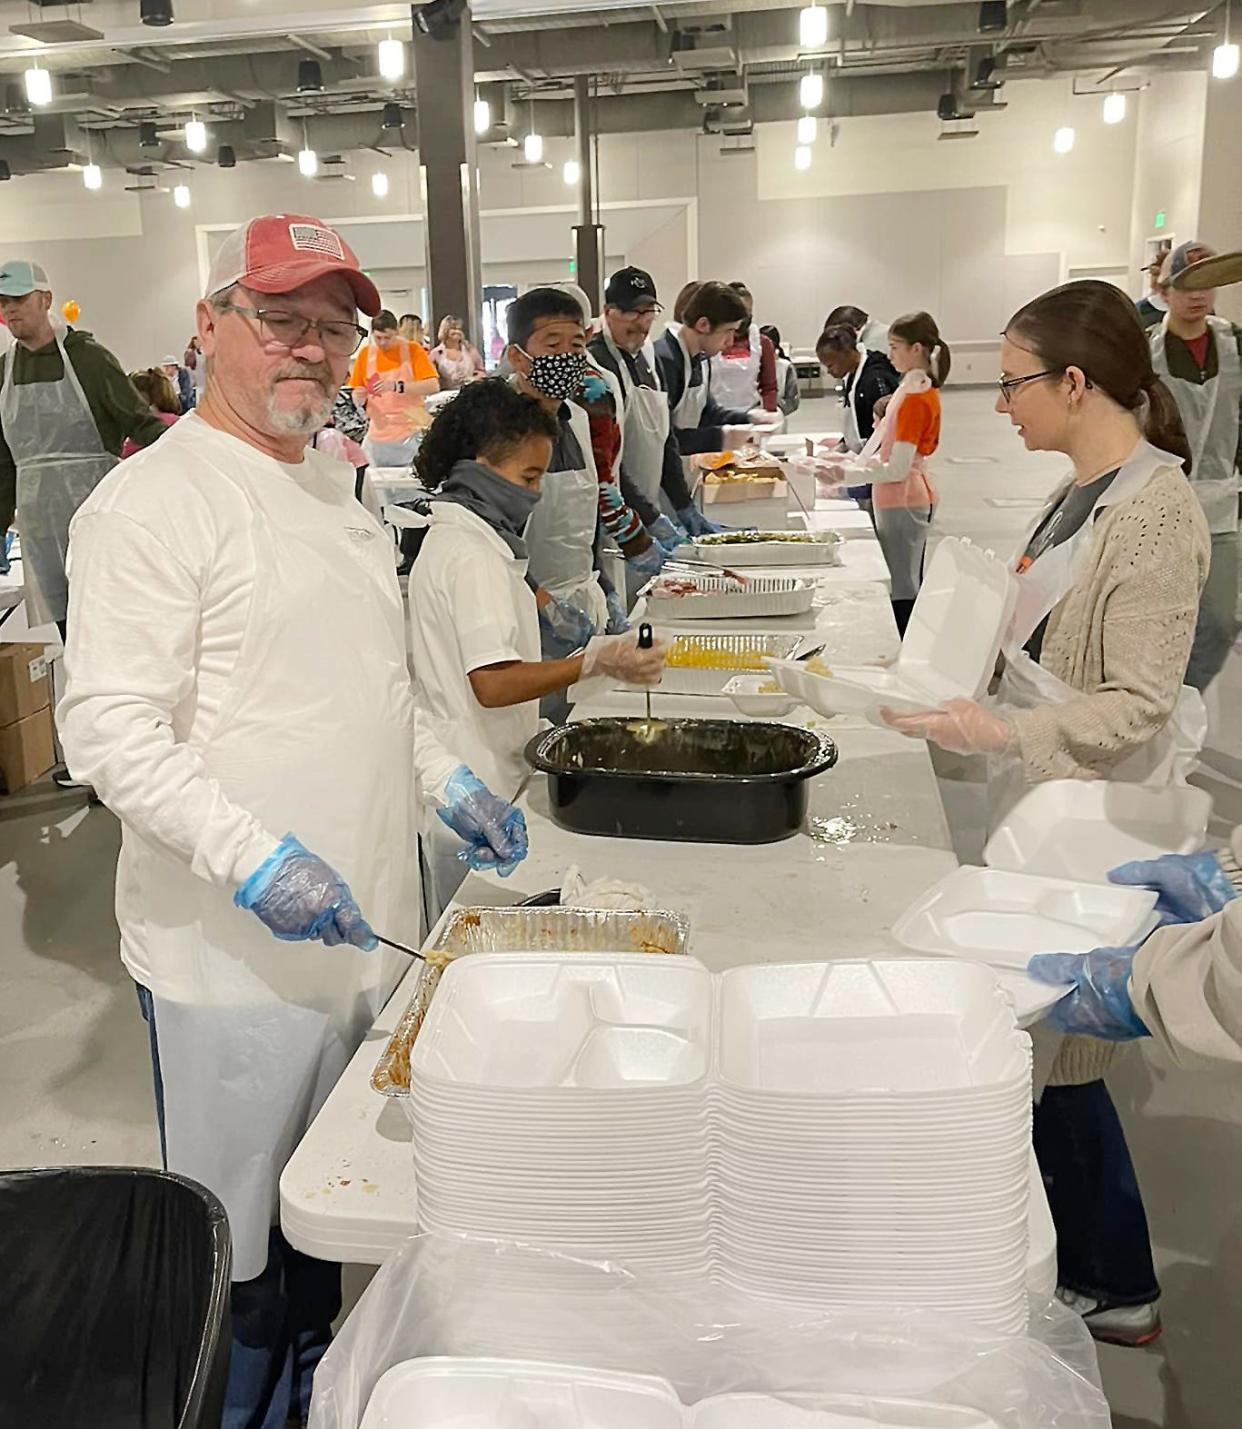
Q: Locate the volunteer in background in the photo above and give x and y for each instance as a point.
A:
(865, 378)
(474, 616)
(547, 352)
(153, 385)
(1200, 359)
(182, 382)
(66, 408)
(196, 365)
(744, 372)
(392, 377)
(699, 423)
(789, 398)
(236, 685)
(872, 333)
(1153, 305)
(1108, 590)
(412, 330)
(455, 358)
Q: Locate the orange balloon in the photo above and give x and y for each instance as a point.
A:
(71, 311)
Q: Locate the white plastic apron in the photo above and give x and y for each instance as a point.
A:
(645, 427)
(314, 737)
(560, 537)
(1210, 415)
(852, 436)
(735, 380)
(396, 418)
(688, 413)
(1025, 684)
(60, 460)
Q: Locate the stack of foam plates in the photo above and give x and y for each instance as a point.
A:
(872, 1135)
(949, 649)
(460, 1393)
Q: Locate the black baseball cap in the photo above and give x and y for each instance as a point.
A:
(630, 289)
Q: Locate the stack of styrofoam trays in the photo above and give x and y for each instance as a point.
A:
(561, 1100)
(871, 1138)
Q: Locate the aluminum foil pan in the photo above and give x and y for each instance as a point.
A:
(522, 930)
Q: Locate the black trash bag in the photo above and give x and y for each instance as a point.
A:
(116, 1290)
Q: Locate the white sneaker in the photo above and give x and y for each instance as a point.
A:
(1131, 1326)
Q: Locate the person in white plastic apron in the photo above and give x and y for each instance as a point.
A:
(1200, 359)
(394, 394)
(735, 370)
(238, 694)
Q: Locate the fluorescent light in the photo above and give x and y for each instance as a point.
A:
(482, 116)
(195, 135)
(308, 163)
(181, 196)
(391, 59)
(571, 172)
(532, 147)
(92, 176)
(1114, 108)
(813, 27)
(1224, 62)
(1063, 140)
(379, 184)
(802, 157)
(808, 128)
(811, 90)
(38, 86)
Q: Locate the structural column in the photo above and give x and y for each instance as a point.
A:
(449, 174)
(588, 234)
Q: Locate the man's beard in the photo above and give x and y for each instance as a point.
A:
(312, 412)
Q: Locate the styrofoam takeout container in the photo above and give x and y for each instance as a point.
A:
(748, 695)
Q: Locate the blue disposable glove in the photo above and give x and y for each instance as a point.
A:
(301, 898)
(618, 619)
(594, 387)
(696, 523)
(564, 628)
(649, 562)
(1099, 1004)
(668, 535)
(1192, 886)
(494, 831)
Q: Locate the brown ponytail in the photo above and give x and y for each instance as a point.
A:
(1091, 325)
(921, 328)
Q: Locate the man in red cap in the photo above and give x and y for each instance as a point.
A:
(237, 694)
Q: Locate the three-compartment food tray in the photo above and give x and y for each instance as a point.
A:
(521, 930)
(720, 598)
(689, 780)
(704, 664)
(770, 548)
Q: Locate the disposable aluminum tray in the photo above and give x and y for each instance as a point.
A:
(522, 930)
(718, 598)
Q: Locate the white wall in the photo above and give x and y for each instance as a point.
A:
(1220, 198)
(1170, 161)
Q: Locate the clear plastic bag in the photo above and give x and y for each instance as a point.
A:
(457, 1296)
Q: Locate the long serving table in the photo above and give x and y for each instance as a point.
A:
(876, 837)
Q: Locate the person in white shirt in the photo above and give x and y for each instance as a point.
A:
(237, 693)
(474, 611)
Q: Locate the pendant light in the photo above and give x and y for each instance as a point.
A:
(802, 157)
(195, 135)
(808, 129)
(181, 196)
(38, 86)
(379, 184)
(1225, 55)
(1063, 139)
(811, 90)
(813, 27)
(482, 116)
(1114, 108)
(391, 54)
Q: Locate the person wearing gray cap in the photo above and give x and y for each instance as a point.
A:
(66, 407)
(1199, 356)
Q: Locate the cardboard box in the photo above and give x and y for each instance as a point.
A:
(26, 750)
(24, 683)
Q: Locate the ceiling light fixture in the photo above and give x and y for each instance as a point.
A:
(226, 156)
(802, 157)
(1225, 55)
(532, 148)
(195, 135)
(5, 172)
(391, 58)
(813, 27)
(571, 172)
(181, 196)
(308, 163)
(808, 128)
(379, 184)
(38, 86)
(148, 134)
(391, 117)
(310, 77)
(1063, 139)
(482, 116)
(811, 90)
(1114, 108)
(155, 12)
(92, 176)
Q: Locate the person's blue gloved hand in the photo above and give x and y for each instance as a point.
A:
(618, 618)
(649, 562)
(1099, 1004)
(564, 628)
(668, 535)
(1191, 886)
(698, 525)
(494, 831)
(594, 387)
(300, 898)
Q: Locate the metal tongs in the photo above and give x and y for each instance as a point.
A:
(688, 563)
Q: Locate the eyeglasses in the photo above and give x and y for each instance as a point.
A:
(1008, 385)
(290, 329)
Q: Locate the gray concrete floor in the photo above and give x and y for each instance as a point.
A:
(76, 1075)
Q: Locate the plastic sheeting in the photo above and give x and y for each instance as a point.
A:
(442, 1295)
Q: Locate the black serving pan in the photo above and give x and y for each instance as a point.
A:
(693, 780)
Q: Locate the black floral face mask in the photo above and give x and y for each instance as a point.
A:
(557, 374)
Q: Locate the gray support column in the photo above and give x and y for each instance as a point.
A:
(588, 235)
(449, 175)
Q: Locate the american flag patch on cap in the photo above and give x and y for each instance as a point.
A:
(310, 238)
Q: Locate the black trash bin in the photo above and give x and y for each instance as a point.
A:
(115, 1294)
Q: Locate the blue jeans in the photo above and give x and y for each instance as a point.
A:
(1103, 1248)
(282, 1319)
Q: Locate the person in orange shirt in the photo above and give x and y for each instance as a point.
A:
(392, 379)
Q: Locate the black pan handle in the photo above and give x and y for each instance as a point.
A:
(646, 637)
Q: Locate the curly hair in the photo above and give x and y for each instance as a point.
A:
(486, 419)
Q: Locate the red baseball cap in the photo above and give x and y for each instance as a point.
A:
(283, 251)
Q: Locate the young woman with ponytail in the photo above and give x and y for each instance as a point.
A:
(1094, 659)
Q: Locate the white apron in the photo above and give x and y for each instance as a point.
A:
(560, 536)
(735, 380)
(314, 737)
(397, 419)
(1025, 684)
(1210, 415)
(646, 421)
(60, 460)
(852, 436)
(687, 413)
